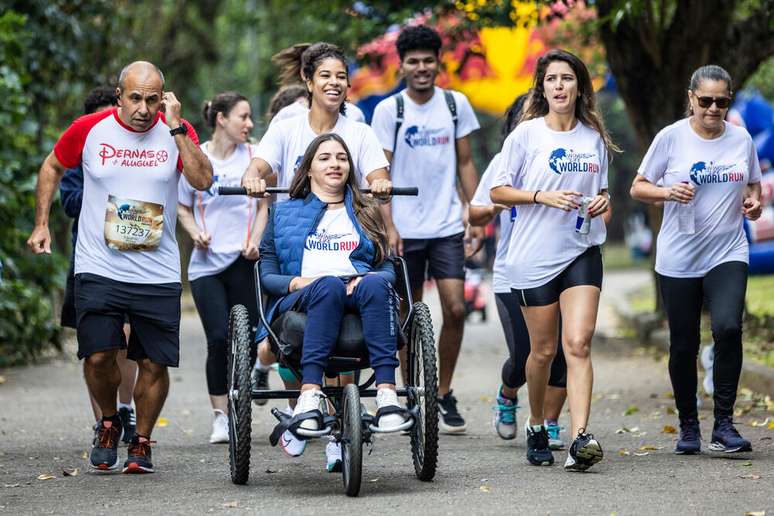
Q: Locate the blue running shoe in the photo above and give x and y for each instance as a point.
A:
(505, 416)
(104, 452)
(725, 437)
(538, 453)
(555, 441)
(138, 460)
(689, 442)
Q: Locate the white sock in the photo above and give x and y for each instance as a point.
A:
(261, 366)
(125, 405)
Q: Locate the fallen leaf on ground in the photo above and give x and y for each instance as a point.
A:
(85, 455)
(231, 504)
(45, 476)
(624, 430)
(641, 454)
(748, 463)
(631, 410)
(755, 513)
(623, 452)
(769, 403)
(649, 447)
(270, 471)
(162, 422)
(374, 480)
(669, 429)
(70, 472)
(771, 425)
(671, 411)
(750, 477)
(485, 489)
(2, 380)
(765, 422)
(485, 399)
(11, 485)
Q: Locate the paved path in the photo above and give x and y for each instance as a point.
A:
(44, 427)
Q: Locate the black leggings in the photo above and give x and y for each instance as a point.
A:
(214, 296)
(723, 290)
(517, 339)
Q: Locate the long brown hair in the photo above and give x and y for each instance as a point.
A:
(366, 209)
(585, 104)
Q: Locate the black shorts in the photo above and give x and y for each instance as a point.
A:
(153, 310)
(586, 269)
(438, 258)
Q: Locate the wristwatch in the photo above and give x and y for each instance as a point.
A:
(182, 129)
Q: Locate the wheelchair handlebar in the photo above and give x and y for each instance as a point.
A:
(241, 190)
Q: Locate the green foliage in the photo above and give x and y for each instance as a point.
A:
(26, 325)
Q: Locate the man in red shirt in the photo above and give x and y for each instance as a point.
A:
(126, 257)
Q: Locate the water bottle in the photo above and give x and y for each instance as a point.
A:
(686, 217)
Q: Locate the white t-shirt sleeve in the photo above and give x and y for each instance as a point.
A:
(383, 123)
(466, 117)
(655, 162)
(755, 166)
(185, 192)
(371, 155)
(512, 159)
(270, 148)
(482, 196)
(354, 113)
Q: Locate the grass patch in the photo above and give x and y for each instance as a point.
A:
(760, 295)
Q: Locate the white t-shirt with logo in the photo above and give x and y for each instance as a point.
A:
(295, 109)
(327, 250)
(285, 143)
(534, 157)
(426, 157)
(129, 191)
(227, 218)
(719, 169)
(500, 282)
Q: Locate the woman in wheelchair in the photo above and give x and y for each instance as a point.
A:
(324, 253)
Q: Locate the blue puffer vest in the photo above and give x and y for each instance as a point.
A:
(300, 217)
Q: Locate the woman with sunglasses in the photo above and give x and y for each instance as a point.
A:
(709, 179)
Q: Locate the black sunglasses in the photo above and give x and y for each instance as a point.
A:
(720, 102)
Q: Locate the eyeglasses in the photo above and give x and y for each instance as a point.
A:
(720, 102)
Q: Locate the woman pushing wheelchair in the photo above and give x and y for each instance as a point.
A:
(331, 258)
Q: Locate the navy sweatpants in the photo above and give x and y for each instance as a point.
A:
(325, 301)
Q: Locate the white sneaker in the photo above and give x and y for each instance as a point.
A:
(333, 456)
(290, 444)
(307, 402)
(219, 428)
(388, 398)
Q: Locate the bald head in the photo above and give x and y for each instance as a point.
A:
(141, 71)
(140, 94)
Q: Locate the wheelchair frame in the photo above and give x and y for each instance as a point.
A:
(352, 425)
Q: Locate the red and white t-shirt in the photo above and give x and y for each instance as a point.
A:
(126, 230)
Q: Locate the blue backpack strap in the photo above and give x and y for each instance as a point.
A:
(400, 108)
(452, 104)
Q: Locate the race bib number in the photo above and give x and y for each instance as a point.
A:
(133, 225)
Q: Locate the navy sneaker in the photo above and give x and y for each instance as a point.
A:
(585, 451)
(104, 452)
(505, 416)
(689, 442)
(451, 422)
(139, 456)
(725, 437)
(260, 382)
(128, 423)
(538, 452)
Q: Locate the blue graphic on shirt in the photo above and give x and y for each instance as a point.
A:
(298, 164)
(563, 160)
(323, 241)
(213, 189)
(703, 173)
(416, 137)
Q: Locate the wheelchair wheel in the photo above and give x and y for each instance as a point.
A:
(351, 440)
(424, 380)
(239, 408)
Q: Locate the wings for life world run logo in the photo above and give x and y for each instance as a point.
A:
(703, 173)
(564, 160)
(130, 213)
(321, 240)
(416, 137)
(132, 157)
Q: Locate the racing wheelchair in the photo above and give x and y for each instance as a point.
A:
(350, 425)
